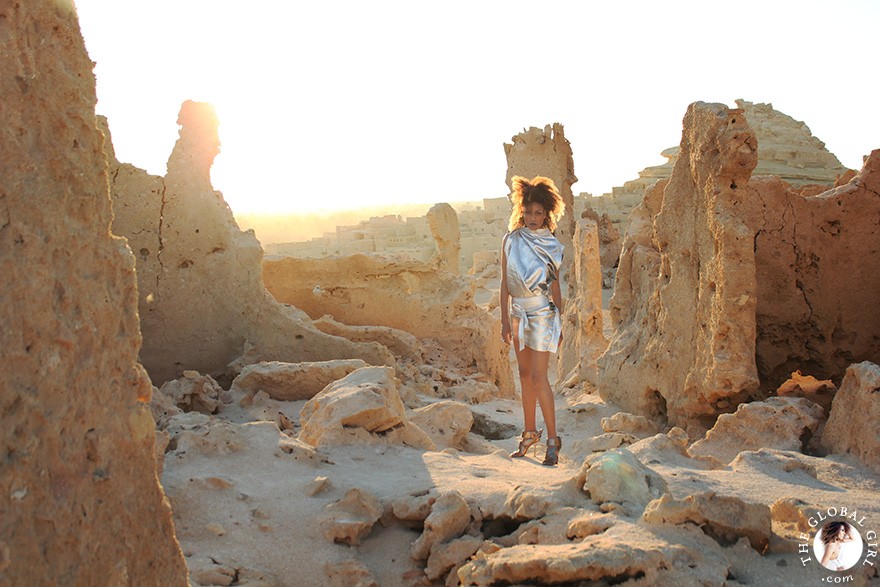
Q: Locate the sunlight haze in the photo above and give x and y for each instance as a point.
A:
(336, 105)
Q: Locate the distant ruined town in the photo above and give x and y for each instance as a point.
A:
(786, 148)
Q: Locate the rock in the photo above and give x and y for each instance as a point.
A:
(402, 344)
(194, 392)
(450, 516)
(415, 507)
(318, 485)
(588, 524)
(686, 282)
(351, 518)
(491, 429)
(81, 501)
(349, 573)
(851, 428)
(447, 423)
(444, 226)
(619, 477)
(451, 555)
(784, 423)
(629, 424)
(363, 407)
(624, 553)
(808, 387)
(724, 518)
(186, 243)
(293, 381)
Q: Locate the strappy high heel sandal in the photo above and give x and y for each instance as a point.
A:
(529, 439)
(554, 445)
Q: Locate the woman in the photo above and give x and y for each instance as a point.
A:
(531, 301)
(834, 534)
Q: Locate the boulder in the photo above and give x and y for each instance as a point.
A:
(194, 393)
(618, 477)
(808, 387)
(363, 407)
(852, 426)
(724, 518)
(447, 423)
(351, 518)
(450, 516)
(785, 423)
(293, 381)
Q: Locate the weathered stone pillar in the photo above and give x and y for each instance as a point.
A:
(582, 321)
(444, 226)
(80, 503)
(684, 346)
(548, 153)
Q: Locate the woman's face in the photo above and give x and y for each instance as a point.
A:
(534, 216)
(841, 534)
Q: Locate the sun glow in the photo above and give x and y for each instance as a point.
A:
(330, 106)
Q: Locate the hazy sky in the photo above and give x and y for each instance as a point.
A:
(344, 104)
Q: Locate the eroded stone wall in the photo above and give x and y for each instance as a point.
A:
(202, 300)
(728, 283)
(80, 503)
(818, 276)
(402, 293)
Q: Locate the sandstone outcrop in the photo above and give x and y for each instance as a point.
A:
(785, 423)
(191, 254)
(852, 426)
(363, 407)
(685, 346)
(81, 503)
(742, 281)
(402, 293)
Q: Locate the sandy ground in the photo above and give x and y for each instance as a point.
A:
(250, 503)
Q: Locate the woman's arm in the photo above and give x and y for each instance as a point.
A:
(505, 297)
(556, 293)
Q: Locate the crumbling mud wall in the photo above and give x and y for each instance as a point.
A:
(202, 299)
(727, 284)
(818, 276)
(81, 503)
(398, 292)
(684, 345)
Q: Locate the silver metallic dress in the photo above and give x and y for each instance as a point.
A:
(533, 261)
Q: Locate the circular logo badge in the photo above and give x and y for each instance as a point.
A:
(838, 546)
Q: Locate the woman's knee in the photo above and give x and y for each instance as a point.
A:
(538, 379)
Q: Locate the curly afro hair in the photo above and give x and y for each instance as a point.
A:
(538, 190)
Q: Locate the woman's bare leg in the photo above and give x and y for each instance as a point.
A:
(540, 385)
(529, 395)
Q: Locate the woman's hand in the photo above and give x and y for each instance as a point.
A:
(506, 335)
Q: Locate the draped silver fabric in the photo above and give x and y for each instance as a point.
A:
(533, 261)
